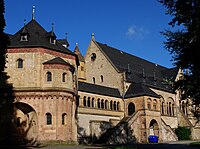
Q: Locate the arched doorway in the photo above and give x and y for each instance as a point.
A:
(26, 121)
(153, 128)
(131, 109)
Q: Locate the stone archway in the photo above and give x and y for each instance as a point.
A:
(131, 108)
(26, 121)
(153, 128)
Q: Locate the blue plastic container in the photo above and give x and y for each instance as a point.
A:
(153, 139)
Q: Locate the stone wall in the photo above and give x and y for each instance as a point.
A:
(101, 67)
(59, 105)
(33, 72)
(54, 99)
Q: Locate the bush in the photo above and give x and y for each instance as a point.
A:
(183, 133)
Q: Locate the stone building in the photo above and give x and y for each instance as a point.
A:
(43, 73)
(106, 96)
(124, 99)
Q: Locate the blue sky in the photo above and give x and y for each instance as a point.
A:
(132, 26)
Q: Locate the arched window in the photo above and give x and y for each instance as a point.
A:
(173, 109)
(49, 76)
(154, 104)
(93, 80)
(115, 106)
(93, 102)
(149, 103)
(64, 115)
(84, 101)
(101, 78)
(106, 104)
(48, 119)
(19, 63)
(111, 105)
(88, 102)
(118, 106)
(64, 77)
(131, 108)
(98, 103)
(102, 104)
(167, 108)
(170, 108)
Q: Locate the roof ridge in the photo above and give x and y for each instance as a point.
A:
(124, 52)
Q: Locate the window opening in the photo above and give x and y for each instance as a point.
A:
(49, 119)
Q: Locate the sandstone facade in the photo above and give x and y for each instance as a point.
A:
(107, 96)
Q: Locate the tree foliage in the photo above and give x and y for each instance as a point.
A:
(183, 43)
(6, 89)
(183, 133)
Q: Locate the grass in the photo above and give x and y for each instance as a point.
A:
(195, 144)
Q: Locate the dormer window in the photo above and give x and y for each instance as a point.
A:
(52, 41)
(24, 33)
(24, 38)
(52, 36)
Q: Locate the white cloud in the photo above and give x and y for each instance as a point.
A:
(135, 32)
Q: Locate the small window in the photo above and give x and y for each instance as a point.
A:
(149, 104)
(48, 118)
(93, 57)
(101, 78)
(98, 103)
(111, 105)
(118, 106)
(64, 77)
(84, 101)
(64, 115)
(49, 76)
(170, 108)
(154, 104)
(92, 102)
(88, 102)
(115, 106)
(131, 108)
(106, 104)
(102, 104)
(24, 38)
(52, 41)
(93, 80)
(19, 63)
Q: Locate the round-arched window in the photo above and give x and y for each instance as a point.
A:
(131, 108)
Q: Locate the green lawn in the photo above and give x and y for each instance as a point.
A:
(195, 144)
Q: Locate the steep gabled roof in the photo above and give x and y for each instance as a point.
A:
(57, 60)
(139, 70)
(97, 89)
(139, 89)
(37, 37)
(77, 52)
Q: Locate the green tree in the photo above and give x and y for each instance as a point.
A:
(183, 43)
(6, 89)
